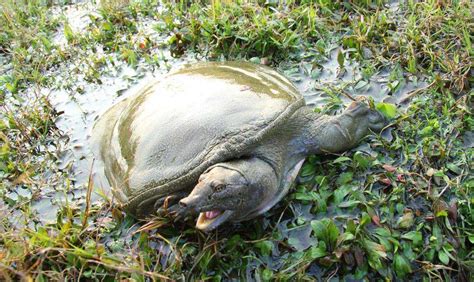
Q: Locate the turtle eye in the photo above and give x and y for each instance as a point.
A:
(219, 187)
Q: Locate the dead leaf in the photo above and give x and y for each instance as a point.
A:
(453, 209)
(376, 220)
(439, 206)
(385, 181)
(359, 256)
(401, 178)
(389, 168)
(24, 178)
(348, 258)
(430, 172)
(339, 252)
(429, 218)
(407, 220)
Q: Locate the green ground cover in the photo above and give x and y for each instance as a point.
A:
(399, 207)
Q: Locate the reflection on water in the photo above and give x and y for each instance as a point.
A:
(80, 107)
(79, 111)
(78, 114)
(313, 81)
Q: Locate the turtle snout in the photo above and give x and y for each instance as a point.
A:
(184, 202)
(189, 202)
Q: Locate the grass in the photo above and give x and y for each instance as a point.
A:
(400, 207)
(26, 36)
(239, 30)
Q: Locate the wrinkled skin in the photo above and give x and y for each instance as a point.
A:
(230, 191)
(233, 191)
(222, 140)
(345, 131)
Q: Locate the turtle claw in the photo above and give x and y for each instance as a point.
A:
(175, 212)
(168, 206)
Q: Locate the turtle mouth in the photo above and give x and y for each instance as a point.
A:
(209, 220)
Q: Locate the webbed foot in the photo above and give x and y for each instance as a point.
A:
(168, 206)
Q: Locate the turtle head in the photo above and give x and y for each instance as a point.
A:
(223, 194)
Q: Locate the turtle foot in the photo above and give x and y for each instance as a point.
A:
(176, 212)
(168, 207)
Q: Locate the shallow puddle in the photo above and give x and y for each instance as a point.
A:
(314, 80)
(80, 109)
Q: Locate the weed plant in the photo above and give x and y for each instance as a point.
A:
(400, 207)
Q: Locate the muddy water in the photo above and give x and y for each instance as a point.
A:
(314, 80)
(80, 109)
(78, 114)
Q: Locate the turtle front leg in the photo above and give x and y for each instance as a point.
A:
(168, 206)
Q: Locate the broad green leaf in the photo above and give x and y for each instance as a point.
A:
(438, 235)
(408, 252)
(340, 194)
(388, 110)
(341, 160)
(361, 160)
(454, 168)
(307, 169)
(385, 242)
(375, 249)
(267, 274)
(316, 252)
(340, 59)
(321, 180)
(430, 254)
(426, 130)
(351, 227)
(443, 257)
(265, 247)
(306, 196)
(375, 262)
(401, 265)
(346, 237)
(349, 204)
(383, 232)
(344, 178)
(414, 236)
(365, 219)
(326, 231)
(333, 233)
(406, 221)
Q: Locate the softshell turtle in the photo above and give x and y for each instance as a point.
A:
(222, 140)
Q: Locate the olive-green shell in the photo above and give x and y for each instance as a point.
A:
(161, 139)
